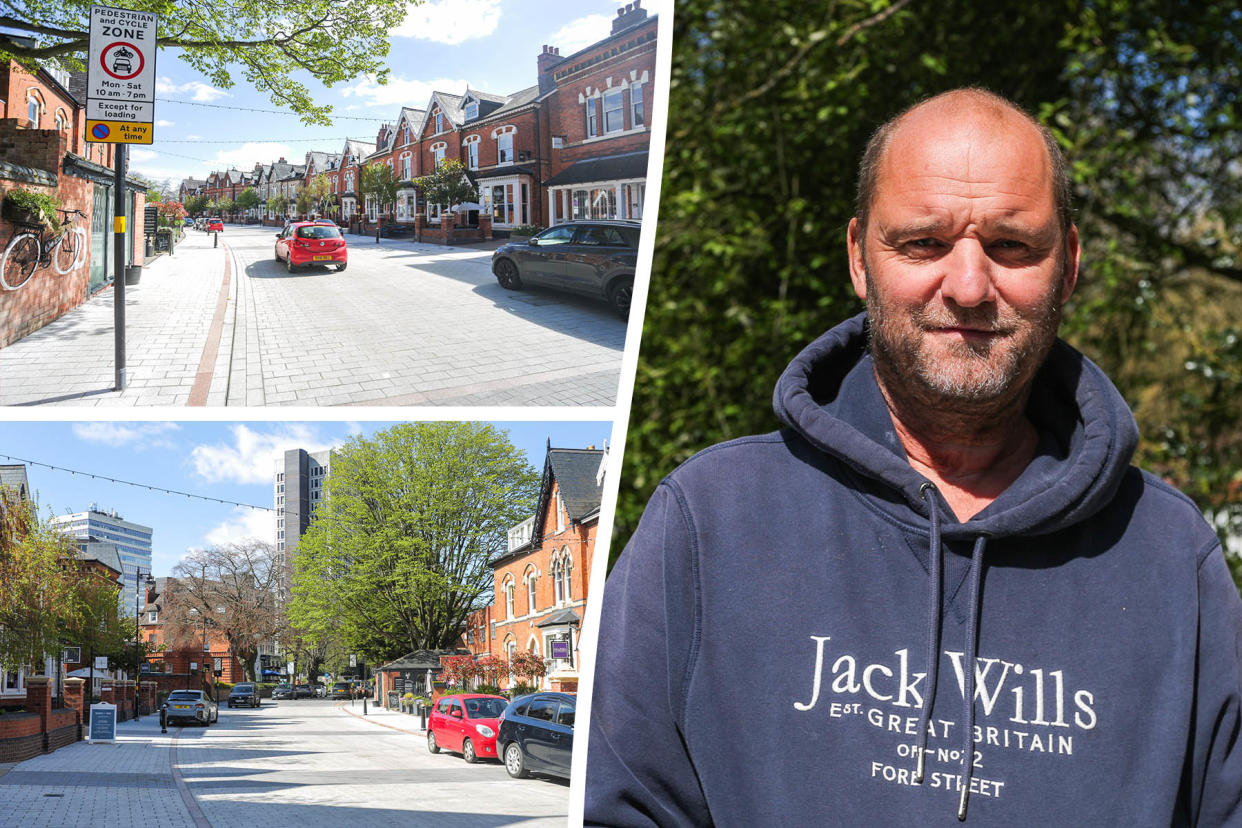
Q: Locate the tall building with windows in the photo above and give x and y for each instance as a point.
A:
(132, 542)
(298, 489)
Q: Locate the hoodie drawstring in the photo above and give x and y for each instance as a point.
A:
(935, 558)
(935, 590)
(972, 648)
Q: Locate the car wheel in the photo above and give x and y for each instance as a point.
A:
(507, 275)
(467, 752)
(289, 265)
(431, 742)
(515, 761)
(620, 295)
(341, 267)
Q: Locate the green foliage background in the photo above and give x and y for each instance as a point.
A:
(769, 108)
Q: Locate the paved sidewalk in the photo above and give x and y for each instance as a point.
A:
(128, 783)
(408, 324)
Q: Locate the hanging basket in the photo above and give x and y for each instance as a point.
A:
(19, 214)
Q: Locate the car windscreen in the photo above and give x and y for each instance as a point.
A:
(244, 688)
(183, 695)
(485, 708)
(318, 231)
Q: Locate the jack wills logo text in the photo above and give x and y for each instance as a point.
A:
(1022, 694)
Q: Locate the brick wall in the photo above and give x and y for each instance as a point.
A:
(21, 737)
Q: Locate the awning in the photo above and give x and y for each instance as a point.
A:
(560, 619)
(628, 165)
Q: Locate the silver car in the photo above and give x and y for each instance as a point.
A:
(194, 705)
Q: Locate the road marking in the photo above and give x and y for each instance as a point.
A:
(191, 805)
(206, 365)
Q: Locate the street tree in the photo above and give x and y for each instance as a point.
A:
(196, 204)
(528, 665)
(225, 206)
(447, 185)
(318, 195)
(36, 599)
(396, 556)
(248, 199)
(227, 590)
(274, 46)
(277, 204)
(380, 185)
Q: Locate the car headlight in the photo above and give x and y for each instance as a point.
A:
(486, 731)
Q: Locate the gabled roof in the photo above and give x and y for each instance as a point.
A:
(414, 117)
(514, 102)
(575, 472)
(356, 149)
(450, 105)
(14, 477)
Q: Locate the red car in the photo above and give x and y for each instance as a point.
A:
(466, 724)
(309, 242)
(215, 225)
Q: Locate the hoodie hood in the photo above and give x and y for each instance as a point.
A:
(829, 396)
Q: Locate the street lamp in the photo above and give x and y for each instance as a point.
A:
(138, 582)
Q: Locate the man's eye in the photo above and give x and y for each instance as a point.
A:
(923, 243)
(1009, 244)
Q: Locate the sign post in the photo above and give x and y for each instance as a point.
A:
(120, 109)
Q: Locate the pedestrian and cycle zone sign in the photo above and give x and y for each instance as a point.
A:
(120, 76)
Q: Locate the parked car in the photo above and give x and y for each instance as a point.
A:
(536, 734)
(200, 223)
(340, 690)
(303, 691)
(194, 705)
(307, 242)
(215, 225)
(467, 724)
(319, 690)
(593, 258)
(282, 691)
(188, 221)
(244, 694)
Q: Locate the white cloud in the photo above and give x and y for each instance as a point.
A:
(252, 455)
(160, 122)
(580, 33)
(403, 91)
(139, 156)
(244, 157)
(450, 21)
(199, 91)
(140, 435)
(194, 137)
(245, 523)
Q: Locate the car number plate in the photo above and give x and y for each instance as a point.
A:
(322, 258)
(181, 707)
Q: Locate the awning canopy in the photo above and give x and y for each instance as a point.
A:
(628, 165)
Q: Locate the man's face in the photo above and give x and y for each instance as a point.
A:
(963, 266)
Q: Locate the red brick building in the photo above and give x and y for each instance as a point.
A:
(43, 149)
(189, 656)
(541, 582)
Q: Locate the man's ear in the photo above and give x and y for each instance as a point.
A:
(854, 247)
(1073, 254)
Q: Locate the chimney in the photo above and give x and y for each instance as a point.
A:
(548, 60)
(628, 15)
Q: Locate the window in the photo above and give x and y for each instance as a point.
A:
(614, 114)
(407, 168)
(472, 110)
(636, 105)
(32, 111)
(592, 123)
(504, 148)
(437, 155)
(600, 203)
(562, 566)
(560, 512)
(62, 123)
(439, 122)
(508, 589)
(530, 591)
(472, 155)
(153, 617)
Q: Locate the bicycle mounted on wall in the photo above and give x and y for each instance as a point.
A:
(33, 246)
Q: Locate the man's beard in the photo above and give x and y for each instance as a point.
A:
(962, 372)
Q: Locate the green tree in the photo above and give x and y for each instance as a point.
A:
(397, 554)
(447, 185)
(225, 206)
(380, 185)
(36, 598)
(749, 261)
(277, 204)
(196, 204)
(317, 194)
(248, 199)
(270, 44)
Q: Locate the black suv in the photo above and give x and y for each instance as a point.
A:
(594, 258)
(537, 734)
(244, 694)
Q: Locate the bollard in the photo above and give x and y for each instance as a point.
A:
(163, 719)
(215, 239)
(422, 715)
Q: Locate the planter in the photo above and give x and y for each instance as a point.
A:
(20, 215)
(133, 274)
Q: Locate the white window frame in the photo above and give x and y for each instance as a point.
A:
(504, 148)
(531, 596)
(592, 118)
(637, 118)
(508, 591)
(614, 111)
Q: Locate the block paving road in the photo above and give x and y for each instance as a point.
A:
(304, 763)
(405, 324)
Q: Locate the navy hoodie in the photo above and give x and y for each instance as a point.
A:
(787, 639)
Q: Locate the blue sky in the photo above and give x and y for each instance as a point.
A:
(441, 46)
(228, 460)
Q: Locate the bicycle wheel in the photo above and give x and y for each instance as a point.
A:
(64, 254)
(21, 258)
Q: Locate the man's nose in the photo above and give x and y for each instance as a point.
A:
(968, 276)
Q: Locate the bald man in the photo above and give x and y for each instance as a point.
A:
(941, 592)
